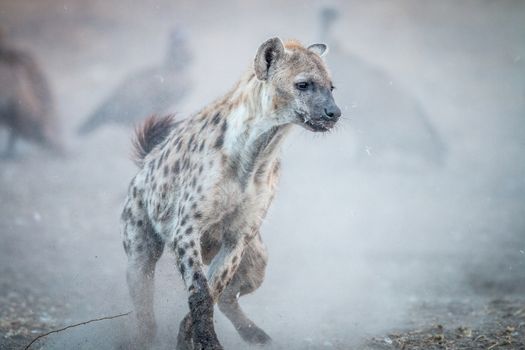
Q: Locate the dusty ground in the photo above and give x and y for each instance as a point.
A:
(413, 256)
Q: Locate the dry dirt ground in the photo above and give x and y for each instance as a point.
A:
(362, 255)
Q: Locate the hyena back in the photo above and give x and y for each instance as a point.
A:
(205, 184)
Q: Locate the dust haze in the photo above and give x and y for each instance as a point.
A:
(409, 214)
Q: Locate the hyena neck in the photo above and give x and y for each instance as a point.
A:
(254, 135)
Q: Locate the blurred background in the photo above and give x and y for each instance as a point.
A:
(408, 217)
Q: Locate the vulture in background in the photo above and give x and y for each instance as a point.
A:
(388, 120)
(26, 101)
(146, 92)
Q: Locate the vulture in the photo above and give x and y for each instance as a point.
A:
(147, 92)
(387, 119)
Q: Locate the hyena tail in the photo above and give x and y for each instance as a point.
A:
(151, 133)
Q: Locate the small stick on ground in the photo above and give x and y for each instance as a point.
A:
(75, 325)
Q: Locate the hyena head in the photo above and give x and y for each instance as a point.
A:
(299, 83)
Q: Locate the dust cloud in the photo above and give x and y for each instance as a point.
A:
(412, 208)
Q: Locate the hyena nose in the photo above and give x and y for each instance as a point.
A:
(332, 112)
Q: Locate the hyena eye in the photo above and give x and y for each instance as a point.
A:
(303, 85)
(332, 88)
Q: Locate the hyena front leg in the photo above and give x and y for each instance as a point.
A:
(224, 265)
(196, 330)
(143, 247)
(248, 277)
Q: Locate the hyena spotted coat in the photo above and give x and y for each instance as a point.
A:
(205, 184)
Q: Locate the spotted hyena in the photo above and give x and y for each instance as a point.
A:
(205, 184)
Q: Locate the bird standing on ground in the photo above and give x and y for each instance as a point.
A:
(147, 92)
(389, 121)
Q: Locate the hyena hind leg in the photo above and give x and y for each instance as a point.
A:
(143, 247)
(248, 277)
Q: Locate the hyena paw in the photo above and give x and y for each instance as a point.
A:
(207, 340)
(254, 335)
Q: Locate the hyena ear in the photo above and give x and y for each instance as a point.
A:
(320, 49)
(267, 56)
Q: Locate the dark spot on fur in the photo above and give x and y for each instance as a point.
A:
(190, 262)
(201, 147)
(182, 269)
(204, 125)
(184, 220)
(224, 274)
(192, 244)
(134, 192)
(166, 170)
(224, 126)
(198, 215)
(234, 260)
(181, 252)
(219, 142)
(216, 118)
(189, 230)
(176, 167)
(139, 223)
